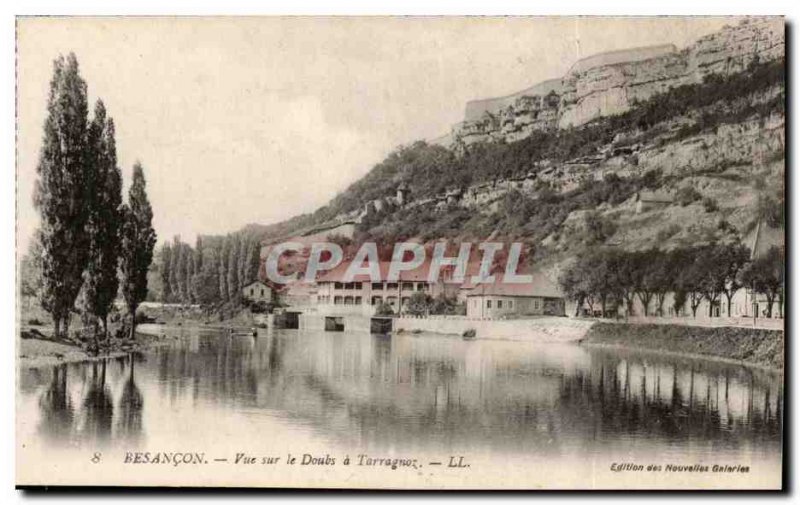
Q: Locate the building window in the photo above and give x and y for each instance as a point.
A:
(356, 285)
(499, 304)
(337, 300)
(337, 285)
(262, 291)
(377, 286)
(511, 304)
(358, 300)
(421, 286)
(536, 304)
(348, 300)
(408, 285)
(488, 304)
(392, 285)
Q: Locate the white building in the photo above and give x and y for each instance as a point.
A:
(509, 300)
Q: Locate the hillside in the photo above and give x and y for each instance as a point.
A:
(725, 135)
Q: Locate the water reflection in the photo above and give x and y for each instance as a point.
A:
(98, 410)
(131, 403)
(77, 404)
(409, 391)
(56, 407)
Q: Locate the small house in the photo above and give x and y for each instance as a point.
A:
(257, 291)
(511, 300)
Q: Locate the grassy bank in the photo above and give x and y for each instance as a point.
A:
(37, 348)
(749, 345)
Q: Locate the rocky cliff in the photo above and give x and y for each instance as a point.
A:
(611, 83)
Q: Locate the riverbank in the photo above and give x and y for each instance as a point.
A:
(544, 329)
(749, 346)
(37, 348)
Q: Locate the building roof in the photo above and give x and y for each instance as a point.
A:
(541, 286)
(256, 282)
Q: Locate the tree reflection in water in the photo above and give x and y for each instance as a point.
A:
(55, 407)
(98, 408)
(93, 419)
(131, 404)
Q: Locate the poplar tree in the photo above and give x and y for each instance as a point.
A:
(233, 271)
(206, 279)
(138, 242)
(223, 268)
(198, 255)
(166, 268)
(255, 260)
(174, 272)
(197, 268)
(188, 273)
(180, 273)
(101, 281)
(62, 193)
(244, 245)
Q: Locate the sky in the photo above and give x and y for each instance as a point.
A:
(255, 120)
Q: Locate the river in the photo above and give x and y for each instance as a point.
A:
(482, 413)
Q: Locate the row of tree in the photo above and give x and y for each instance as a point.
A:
(214, 271)
(611, 277)
(89, 244)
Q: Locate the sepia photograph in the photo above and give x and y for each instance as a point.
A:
(401, 252)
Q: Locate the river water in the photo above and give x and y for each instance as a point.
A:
(482, 413)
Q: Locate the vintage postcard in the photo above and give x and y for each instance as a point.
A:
(480, 253)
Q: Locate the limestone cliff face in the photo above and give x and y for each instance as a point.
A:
(749, 144)
(611, 83)
(733, 48)
(607, 86)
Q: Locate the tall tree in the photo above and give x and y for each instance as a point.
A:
(574, 282)
(233, 271)
(166, 271)
(244, 259)
(175, 270)
(254, 260)
(188, 272)
(101, 281)
(647, 277)
(138, 242)
(206, 280)
(661, 278)
(628, 273)
(197, 267)
(62, 193)
(222, 271)
(689, 277)
(734, 258)
(711, 273)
